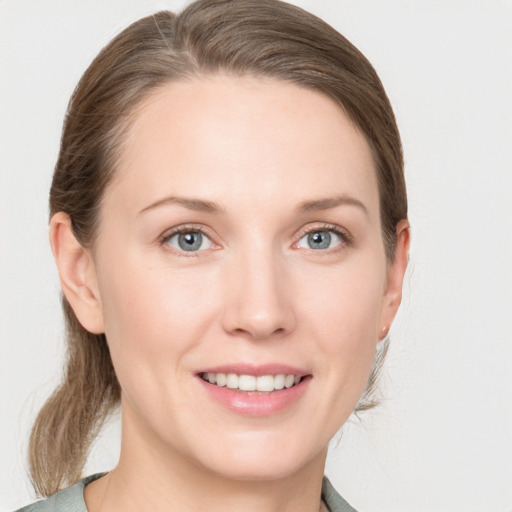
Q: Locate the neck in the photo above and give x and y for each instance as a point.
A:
(153, 478)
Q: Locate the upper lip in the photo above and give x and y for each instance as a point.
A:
(256, 370)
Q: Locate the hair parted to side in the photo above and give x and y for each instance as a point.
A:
(260, 38)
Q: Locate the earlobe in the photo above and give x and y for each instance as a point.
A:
(77, 273)
(395, 276)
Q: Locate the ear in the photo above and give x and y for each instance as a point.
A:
(77, 273)
(395, 277)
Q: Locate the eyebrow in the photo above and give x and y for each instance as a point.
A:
(330, 202)
(201, 205)
(198, 205)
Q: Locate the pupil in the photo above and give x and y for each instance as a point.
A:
(190, 241)
(319, 240)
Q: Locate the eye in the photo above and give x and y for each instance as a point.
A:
(189, 241)
(321, 239)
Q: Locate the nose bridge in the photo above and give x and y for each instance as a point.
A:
(259, 302)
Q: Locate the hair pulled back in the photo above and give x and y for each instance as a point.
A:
(260, 38)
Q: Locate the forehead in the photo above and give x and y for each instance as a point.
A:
(241, 138)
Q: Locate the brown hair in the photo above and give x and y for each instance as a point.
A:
(261, 38)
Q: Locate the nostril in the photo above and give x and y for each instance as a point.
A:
(259, 333)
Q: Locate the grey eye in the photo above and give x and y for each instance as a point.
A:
(189, 242)
(319, 240)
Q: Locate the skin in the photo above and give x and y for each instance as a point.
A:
(255, 293)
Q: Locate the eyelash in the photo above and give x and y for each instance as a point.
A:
(183, 230)
(345, 237)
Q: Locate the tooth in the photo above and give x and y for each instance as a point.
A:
(247, 383)
(265, 383)
(232, 380)
(279, 381)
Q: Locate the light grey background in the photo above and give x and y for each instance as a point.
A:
(442, 441)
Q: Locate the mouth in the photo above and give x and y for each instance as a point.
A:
(252, 383)
(255, 390)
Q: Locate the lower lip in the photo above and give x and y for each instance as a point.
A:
(253, 403)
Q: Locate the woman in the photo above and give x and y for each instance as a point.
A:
(229, 222)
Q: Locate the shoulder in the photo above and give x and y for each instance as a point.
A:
(67, 500)
(334, 502)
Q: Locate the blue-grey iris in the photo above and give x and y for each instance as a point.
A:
(319, 240)
(190, 241)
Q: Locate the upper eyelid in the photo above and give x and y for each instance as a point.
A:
(186, 228)
(345, 234)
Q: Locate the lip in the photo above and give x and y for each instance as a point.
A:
(256, 370)
(254, 403)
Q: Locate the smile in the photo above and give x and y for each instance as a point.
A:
(255, 390)
(262, 383)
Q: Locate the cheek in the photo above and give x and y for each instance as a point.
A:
(153, 317)
(347, 300)
(344, 319)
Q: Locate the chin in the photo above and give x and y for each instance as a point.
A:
(257, 461)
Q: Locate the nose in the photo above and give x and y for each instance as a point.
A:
(259, 297)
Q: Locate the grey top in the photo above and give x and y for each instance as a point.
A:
(72, 499)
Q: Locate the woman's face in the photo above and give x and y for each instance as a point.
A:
(240, 241)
